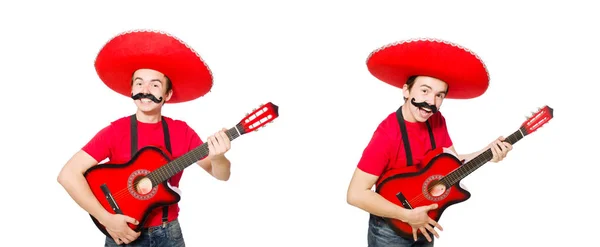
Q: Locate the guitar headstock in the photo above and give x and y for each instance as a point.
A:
(259, 117)
(537, 120)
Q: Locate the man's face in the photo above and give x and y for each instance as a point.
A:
(150, 83)
(425, 89)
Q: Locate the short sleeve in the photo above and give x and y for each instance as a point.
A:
(192, 137)
(99, 146)
(375, 156)
(445, 139)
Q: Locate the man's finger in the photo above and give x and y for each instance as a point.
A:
(211, 146)
(414, 234)
(425, 233)
(430, 229)
(435, 224)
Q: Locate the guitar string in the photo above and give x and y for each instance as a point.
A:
(456, 176)
(452, 177)
(162, 173)
(204, 147)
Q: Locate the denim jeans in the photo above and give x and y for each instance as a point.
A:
(381, 235)
(169, 236)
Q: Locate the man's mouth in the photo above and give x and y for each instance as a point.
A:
(425, 109)
(424, 112)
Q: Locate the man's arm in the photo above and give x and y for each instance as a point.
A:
(216, 164)
(499, 150)
(219, 167)
(360, 195)
(72, 180)
(466, 157)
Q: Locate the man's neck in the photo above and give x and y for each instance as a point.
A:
(148, 117)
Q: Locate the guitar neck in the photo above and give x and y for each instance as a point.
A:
(166, 171)
(481, 159)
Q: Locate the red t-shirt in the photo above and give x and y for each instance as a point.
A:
(386, 148)
(114, 142)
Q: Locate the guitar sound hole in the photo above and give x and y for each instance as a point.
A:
(140, 186)
(433, 189)
(436, 189)
(143, 185)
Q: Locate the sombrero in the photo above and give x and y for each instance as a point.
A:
(463, 71)
(127, 52)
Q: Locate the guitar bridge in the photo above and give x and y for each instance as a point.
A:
(403, 200)
(110, 199)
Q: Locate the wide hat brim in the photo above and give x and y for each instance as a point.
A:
(464, 72)
(127, 52)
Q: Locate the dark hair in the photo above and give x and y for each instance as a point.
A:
(410, 83)
(169, 84)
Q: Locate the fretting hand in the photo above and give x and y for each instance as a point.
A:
(499, 149)
(218, 145)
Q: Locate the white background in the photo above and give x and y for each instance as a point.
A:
(289, 180)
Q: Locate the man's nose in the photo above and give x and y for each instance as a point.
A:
(145, 89)
(430, 100)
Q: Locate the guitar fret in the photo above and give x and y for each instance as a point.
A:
(170, 169)
(478, 161)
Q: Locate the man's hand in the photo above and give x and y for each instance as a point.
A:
(116, 226)
(499, 149)
(420, 221)
(218, 145)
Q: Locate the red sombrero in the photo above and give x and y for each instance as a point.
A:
(465, 73)
(146, 49)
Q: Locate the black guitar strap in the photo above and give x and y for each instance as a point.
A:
(409, 160)
(134, 149)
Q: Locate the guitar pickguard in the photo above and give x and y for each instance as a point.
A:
(427, 185)
(132, 187)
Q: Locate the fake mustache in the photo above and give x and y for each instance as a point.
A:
(147, 96)
(424, 105)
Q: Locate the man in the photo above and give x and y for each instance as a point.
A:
(153, 68)
(427, 71)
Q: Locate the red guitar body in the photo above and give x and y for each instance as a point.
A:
(140, 186)
(119, 180)
(437, 178)
(408, 187)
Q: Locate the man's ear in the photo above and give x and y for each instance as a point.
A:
(168, 96)
(405, 91)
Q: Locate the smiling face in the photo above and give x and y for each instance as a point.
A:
(152, 83)
(423, 89)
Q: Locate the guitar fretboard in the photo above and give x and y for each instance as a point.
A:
(166, 171)
(481, 159)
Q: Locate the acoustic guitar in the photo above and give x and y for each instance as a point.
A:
(139, 186)
(438, 180)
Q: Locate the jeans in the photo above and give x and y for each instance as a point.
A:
(157, 236)
(381, 235)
